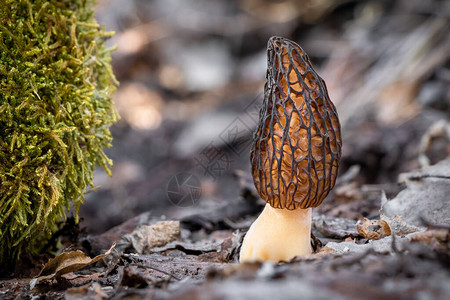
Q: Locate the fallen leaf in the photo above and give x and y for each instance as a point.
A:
(338, 228)
(399, 226)
(146, 237)
(103, 240)
(373, 229)
(65, 263)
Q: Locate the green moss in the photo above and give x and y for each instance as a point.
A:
(56, 84)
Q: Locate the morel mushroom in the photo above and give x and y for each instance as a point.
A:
(295, 154)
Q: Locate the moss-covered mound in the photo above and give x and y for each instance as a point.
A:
(56, 83)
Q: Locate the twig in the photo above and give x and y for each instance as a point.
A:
(159, 270)
(420, 176)
(132, 259)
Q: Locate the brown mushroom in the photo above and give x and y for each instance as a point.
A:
(295, 154)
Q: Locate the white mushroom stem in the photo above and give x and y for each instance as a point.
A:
(278, 234)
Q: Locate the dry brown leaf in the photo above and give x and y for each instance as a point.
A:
(146, 237)
(65, 263)
(373, 229)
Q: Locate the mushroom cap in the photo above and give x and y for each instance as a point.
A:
(297, 143)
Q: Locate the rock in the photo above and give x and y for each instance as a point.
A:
(426, 197)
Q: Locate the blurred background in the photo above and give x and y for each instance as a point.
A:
(191, 78)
